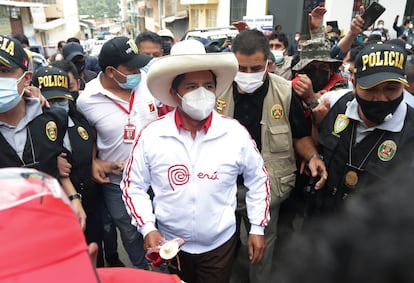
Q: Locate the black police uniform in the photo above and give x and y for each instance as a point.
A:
(42, 146)
(336, 151)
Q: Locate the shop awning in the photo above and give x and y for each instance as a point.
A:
(21, 4)
(50, 25)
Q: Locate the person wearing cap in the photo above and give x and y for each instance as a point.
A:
(30, 136)
(368, 132)
(34, 205)
(266, 105)
(117, 104)
(36, 59)
(168, 40)
(91, 62)
(54, 83)
(110, 234)
(191, 158)
(73, 51)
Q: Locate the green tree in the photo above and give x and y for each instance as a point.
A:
(99, 8)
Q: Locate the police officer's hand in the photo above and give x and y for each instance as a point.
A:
(255, 247)
(63, 165)
(320, 111)
(317, 168)
(32, 91)
(153, 240)
(80, 212)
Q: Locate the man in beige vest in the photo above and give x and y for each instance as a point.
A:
(265, 105)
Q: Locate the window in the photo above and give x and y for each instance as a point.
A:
(211, 17)
(237, 10)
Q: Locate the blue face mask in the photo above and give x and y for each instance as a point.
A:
(278, 56)
(9, 95)
(60, 103)
(131, 80)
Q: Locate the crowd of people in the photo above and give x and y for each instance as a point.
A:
(249, 153)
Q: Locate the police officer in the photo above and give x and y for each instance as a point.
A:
(369, 132)
(30, 136)
(78, 143)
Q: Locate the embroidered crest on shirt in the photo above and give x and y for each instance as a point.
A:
(83, 133)
(387, 150)
(341, 123)
(51, 131)
(277, 112)
(221, 105)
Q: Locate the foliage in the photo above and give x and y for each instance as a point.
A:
(101, 8)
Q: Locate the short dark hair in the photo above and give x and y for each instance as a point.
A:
(281, 37)
(178, 79)
(66, 66)
(73, 39)
(148, 36)
(60, 44)
(249, 42)
(22, 38)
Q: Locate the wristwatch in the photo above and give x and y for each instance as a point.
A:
(75, 196)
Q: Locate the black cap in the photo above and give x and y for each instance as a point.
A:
(378, 63)
(52, 82)
(122, 51)
(12, 53)
(71, 50)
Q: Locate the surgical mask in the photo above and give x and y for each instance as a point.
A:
(132, 81)
(378, 111)
(380, 26)
(9, 94)
(61, 103)
(278, 56)
(319, 78)
(249, 82)
(296, 38)
(198, 104)
(410, 26)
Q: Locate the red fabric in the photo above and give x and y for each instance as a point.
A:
(40, 234)
(334, 79)
(127, 275)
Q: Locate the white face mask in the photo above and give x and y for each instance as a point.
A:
(198, 103)
(380, 26)
(249, 82)
(410, 26)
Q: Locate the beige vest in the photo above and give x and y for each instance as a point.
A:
(276, 134)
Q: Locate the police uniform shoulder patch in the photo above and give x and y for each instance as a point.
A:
(221, 105)
(51, 131)
(277, 111)
(387, 150)
(83, 133)
(341, 123)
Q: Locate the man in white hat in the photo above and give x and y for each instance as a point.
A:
(191, 158)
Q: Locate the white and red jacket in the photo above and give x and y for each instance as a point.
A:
(194, 181)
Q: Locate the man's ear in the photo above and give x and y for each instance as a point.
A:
(109, 71)
(28, 78)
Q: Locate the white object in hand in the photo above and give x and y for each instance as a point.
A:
(169, 249)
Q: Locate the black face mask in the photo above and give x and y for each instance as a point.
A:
(319, 78)
(75, 95)
(80, 66)
(376, 111)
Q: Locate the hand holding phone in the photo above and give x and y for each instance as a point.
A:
(372, 13)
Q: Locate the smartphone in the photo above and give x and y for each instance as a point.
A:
(372, 13)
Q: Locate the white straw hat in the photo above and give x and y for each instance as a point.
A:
(189, 56)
